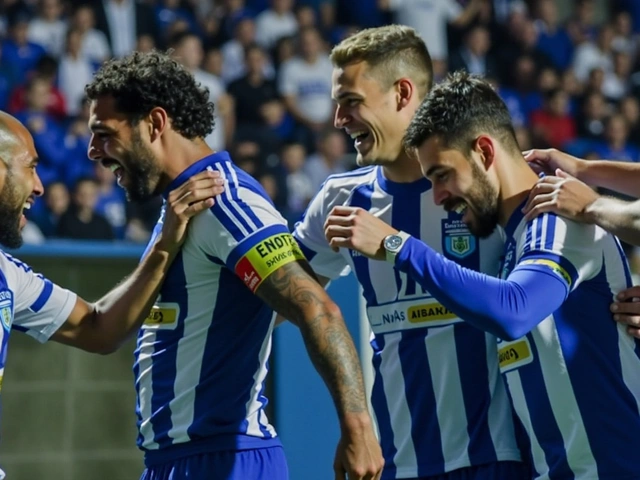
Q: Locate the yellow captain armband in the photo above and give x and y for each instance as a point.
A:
(557, 269)
(266, 257)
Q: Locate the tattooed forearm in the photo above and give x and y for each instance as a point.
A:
(293, 293)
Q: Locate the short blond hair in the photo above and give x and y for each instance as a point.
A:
(392, 52)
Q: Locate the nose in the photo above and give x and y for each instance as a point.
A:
(341, 117)
(440, 195)
(38, 188)
(93, 152)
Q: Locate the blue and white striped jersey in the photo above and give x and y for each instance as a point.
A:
(575, 379)
(29, 303)
(201, 356)
(438, 398)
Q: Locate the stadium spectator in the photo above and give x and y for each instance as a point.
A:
(95, 46)
(80, 221)
(49, 27)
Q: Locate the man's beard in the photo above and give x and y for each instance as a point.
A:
(142, 171)
(483, 203)
(10, 214)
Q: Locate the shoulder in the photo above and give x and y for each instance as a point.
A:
(339, 187)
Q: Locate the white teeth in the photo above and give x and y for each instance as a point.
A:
(355, 135)
(113, 167)
(460, 208)
(27, 206)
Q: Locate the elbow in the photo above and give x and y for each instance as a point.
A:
(327, 312)
(100, 347)
(512, 328)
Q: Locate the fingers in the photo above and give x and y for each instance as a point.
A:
(542, 191)
(342, 211)
(631, 294)
(202, 181)
(541, 207)
(339, 471)
(634, 332)
(197, 207)
(537, 155)
(338, 220)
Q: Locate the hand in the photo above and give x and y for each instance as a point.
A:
(183, 203)
(626, 310)
(549, 160)
(563, 195)
(357, 229)
(358, 457)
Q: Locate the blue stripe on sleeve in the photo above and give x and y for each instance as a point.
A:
(42, 298)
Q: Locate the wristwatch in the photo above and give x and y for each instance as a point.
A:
(393, 244)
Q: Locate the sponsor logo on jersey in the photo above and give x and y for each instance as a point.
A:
(163, 316)
(515, 354)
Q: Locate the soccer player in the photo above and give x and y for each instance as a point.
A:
(202, 356)
(565, 194)
(32, 304)
(573, 375)
(439, 401)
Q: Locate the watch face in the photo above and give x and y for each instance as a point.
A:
(393, 242)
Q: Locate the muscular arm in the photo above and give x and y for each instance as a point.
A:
(102, 327)
(616, 216)
(623, 177)
(294, 293)
(323, 281)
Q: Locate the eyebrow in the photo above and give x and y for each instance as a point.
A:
(97, 126)
(434, 170)
(344, 95)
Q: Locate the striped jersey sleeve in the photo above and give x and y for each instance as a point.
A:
(40, 306)
(560, 247)
(309, 233)
(244, 231)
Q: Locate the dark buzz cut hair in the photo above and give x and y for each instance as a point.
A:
(141, 82)
(392, 52)
(457, 110)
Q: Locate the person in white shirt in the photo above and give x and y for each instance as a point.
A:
(74, 72)
(48, 28)
(276, 22)
(188, 51)
(94, 42)
(305, 83)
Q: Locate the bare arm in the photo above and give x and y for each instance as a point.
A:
(293, 292)
(623, 177)
(323, 281)
(616, 216)
(104, 326)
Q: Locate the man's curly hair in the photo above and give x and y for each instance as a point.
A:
(142, 81)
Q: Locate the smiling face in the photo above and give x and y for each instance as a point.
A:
(461, 184)
(369, 114)
(120, 147)
(19, 182)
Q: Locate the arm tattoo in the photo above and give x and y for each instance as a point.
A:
(293, 292)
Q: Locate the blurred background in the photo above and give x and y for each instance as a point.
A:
(568, 70)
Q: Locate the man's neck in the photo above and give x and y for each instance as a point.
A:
(516, 183)
(403, 170)
(184, 154)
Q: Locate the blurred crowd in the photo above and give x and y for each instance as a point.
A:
(569, 72)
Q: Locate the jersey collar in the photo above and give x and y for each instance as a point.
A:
(199, 166)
